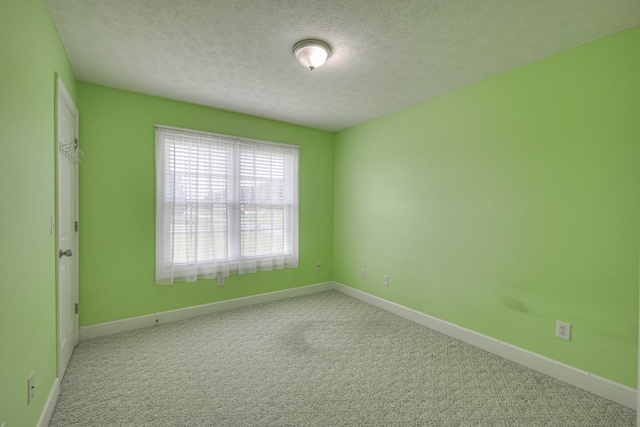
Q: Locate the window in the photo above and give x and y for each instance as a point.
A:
(223, 205)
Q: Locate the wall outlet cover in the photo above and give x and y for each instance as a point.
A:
(31, 388)
(563, 330)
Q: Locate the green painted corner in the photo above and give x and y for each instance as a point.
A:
(507, 205)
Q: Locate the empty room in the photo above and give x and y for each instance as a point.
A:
(435, 221)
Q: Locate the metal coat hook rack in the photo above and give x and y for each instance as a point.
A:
(72, 152)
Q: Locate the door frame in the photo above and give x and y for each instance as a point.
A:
(63, 96)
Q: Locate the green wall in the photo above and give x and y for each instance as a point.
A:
(117, 208)
(507, 205)
(30, 55)
(518, 201)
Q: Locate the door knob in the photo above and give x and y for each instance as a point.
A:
(62, 253)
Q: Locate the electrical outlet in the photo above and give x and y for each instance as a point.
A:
(363, 273)
(563, 330)
(385, 280)
(31, 388)
(318, 265)
(221, 281)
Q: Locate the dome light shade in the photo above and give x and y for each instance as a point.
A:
(311, 53)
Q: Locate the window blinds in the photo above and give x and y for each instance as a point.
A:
(224, 205)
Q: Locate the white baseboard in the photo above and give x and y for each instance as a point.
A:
(592, 383)
(117, 326)
(50, 404)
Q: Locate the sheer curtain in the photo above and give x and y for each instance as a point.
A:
(224, 205)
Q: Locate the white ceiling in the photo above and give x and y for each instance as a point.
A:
(387, 54)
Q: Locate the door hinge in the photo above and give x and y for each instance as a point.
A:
(76, 308)
(76, 226)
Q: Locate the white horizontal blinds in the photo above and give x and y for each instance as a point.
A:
(223, 205)
(196, 199)
(197, 196)
(268, 192)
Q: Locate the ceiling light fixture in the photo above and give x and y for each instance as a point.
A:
(311, 53)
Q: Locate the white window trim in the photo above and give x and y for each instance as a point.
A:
(167, 271)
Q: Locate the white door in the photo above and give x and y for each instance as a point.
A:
(67, 254)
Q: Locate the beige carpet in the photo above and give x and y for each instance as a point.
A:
(319, 360)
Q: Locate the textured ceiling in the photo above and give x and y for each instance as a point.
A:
(387, 54)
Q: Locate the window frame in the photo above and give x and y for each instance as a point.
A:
(236, 261)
